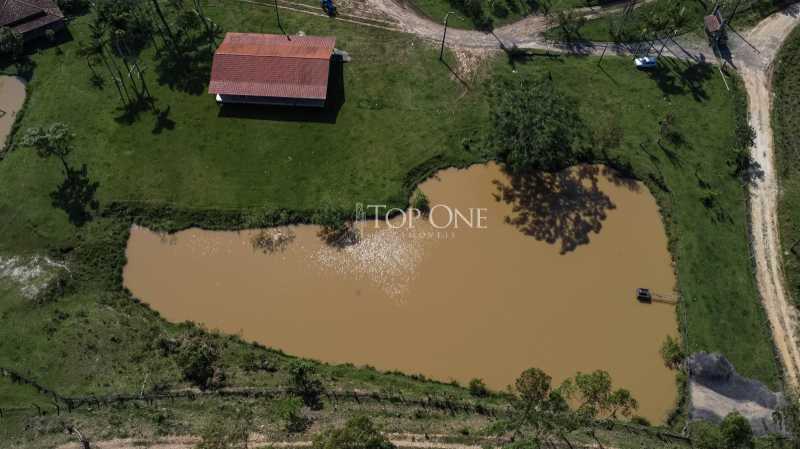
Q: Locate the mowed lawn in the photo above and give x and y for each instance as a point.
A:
(786, 121)
(403, 110)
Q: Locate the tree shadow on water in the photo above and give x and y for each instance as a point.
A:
(76, 195)
(558, 207)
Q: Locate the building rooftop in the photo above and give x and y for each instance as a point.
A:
(24, 16)
(266, 65)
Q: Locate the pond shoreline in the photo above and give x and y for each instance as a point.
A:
(13, 98)
(422, 275)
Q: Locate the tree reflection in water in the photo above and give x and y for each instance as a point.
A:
(562, 207)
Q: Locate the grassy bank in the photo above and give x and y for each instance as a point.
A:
(404, 115)
(786, 123)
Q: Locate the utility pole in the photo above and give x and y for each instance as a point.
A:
(280, 25)
(444, 36)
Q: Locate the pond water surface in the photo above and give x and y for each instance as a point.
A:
(12, 97)
(548, 282)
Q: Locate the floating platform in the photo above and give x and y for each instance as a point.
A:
(646, 296)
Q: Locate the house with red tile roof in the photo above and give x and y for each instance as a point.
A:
(272, 69)
(31, 18)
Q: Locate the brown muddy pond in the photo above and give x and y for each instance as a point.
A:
(545, 277)
(12, 97)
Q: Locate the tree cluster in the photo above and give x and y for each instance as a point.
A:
(535, 126)
(542, 412)
(198, 355)
(11, 44)
(733, 433)
(304, 383)
(183, 37)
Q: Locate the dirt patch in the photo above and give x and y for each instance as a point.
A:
(717, 390)
(30, 274)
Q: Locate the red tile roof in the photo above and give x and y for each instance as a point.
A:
(712, 24)
(266, 65)
(24, 16)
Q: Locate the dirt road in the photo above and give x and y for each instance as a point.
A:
(527, 33)
(756, 69)
(403, 441)
(188, 442)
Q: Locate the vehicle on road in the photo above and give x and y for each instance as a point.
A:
(645, 62)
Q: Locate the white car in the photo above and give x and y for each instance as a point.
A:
(645, 62)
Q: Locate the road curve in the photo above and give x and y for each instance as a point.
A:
(756, 70)
(527, 33)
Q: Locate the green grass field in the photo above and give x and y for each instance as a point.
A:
(786, 122)
(404, 115)
(392, 121)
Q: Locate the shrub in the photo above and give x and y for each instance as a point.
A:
(198, 354)
(474, 10)
(305, 384)
(421, 202)
(640, 420)
(706, 436)
(335, 230)
(478, 388)
(229, 431)
(73, 6)
(736, 432)
(289, 411)
(357, 433)
(672, 353)
(11, 44)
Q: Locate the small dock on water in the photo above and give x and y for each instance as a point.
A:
(646, 296)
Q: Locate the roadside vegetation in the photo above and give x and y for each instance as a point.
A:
(787, 145)
(488, 14)
(661, 19)
(96, 153)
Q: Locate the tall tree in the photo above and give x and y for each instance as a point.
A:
(11, 43)
(534, 125)
(53, 141)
